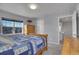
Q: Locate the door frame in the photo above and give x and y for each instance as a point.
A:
(59, 17)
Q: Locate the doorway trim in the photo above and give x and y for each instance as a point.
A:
(59, 17)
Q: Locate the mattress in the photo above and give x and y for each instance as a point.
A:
(4, 47)
(19, 47)
(19, 37)
(25, 44)
(37, 43)
(24, 40)
(38, 40)
(6, 39)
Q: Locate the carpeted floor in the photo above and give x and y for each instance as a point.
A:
(53, 50)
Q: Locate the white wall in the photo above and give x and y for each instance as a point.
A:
(16, 17)
(51, 28)
(67, 28)
(40, 25)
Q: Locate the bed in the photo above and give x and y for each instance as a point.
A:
(45, 47)
(37, 42)
(21, 50)
(5, 49)
(17, 47)
(26, 45)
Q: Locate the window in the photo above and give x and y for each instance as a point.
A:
(18, 27)
(9, 26)
(7, 23)
(7, 30)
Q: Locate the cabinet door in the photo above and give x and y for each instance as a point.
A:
(30, 29)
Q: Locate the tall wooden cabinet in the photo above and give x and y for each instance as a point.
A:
(29, 29)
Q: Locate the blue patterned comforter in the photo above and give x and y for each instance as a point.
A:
(4, 47)
(17, 46)
(37, 43)
(21, 43)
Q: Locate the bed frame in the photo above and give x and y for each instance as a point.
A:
(40, 52)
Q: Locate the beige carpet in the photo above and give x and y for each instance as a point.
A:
(53, 50)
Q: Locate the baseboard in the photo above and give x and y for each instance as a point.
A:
(52, 43)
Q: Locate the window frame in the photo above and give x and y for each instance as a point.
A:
(13, 31)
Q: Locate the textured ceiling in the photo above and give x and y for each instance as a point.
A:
(42, 10)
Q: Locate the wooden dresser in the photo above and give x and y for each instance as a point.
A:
(29, 29)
